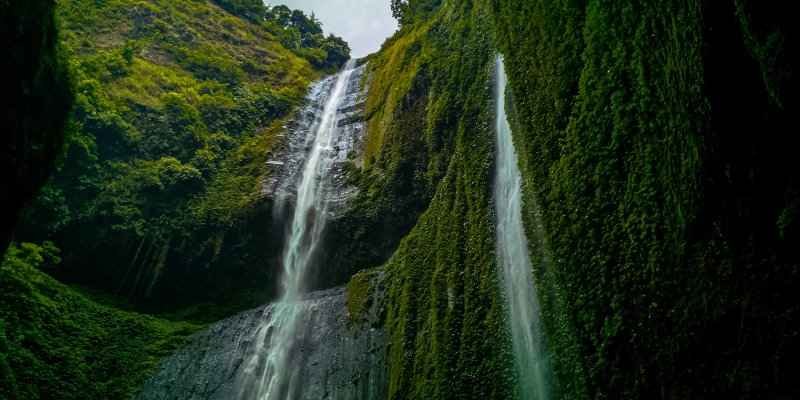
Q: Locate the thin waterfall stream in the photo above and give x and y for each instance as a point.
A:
(270, 373)
(530, 355)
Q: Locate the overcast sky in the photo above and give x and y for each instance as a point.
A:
(365, 24)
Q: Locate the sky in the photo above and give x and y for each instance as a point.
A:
(365, 24)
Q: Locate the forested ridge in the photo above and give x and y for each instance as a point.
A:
(659, 185)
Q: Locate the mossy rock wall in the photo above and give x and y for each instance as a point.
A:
(660, 195)
(653, 141)
(429, 116)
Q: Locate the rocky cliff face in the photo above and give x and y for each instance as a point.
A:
(337, 359)
(286, 166)
(334, 356)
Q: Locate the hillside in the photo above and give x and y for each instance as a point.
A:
(56, 343)
(177, 110)
(177, 107)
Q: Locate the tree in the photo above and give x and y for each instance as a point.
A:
(281, 15)
(338, 51)
(250, 9)
(306, 26)
(406, 11)
(399, 8)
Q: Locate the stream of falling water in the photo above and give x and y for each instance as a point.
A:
(530, 356)
(269, 374)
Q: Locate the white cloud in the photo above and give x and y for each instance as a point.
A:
(365, 24)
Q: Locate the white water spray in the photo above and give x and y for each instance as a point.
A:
(270, 373)
(530, 356)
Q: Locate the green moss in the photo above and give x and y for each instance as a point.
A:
(429, 141)
(643, 213)
(57, 343)
(625, 120)
(358, 295)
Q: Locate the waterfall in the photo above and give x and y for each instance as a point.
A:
(304, 346)
(530, 356)
(271, 372)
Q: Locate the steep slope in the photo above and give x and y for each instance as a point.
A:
(429, 147)
(180, 104)
(303, 345)
(56, 343)
(661, 235)
(660, 182)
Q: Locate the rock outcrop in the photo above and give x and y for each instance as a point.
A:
(338, 359)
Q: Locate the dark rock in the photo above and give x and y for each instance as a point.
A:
(335, 358)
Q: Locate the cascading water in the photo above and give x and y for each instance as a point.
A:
(304, 346)
(530, 356)
(271, 372)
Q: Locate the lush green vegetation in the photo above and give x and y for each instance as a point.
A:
(295, 30)
(429, 149)
(663, 236)
(664, 240)
(303, 35)
(178, 107)
(669, 230)
(407, 12)
(35, 100)
(56, 343)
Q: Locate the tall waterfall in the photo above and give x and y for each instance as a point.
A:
(271, 372)
(532, 366)
(305, 346)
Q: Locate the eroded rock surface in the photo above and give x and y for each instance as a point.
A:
(337, 359)
(287, 165)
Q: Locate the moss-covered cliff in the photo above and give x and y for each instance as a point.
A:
(427, 163)
(653, 136)
(661, 195)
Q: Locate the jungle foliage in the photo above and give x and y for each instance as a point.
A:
(57, 343)
(427, 166)
(178, 105)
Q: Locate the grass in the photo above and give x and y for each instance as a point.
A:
(57, 343)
